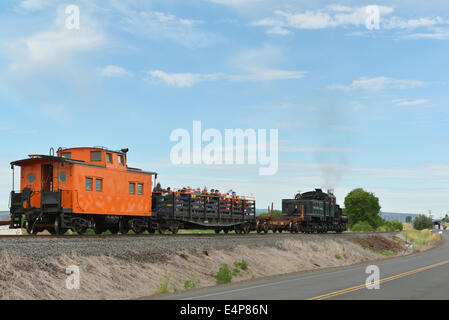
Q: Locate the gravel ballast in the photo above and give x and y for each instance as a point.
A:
(148, 245)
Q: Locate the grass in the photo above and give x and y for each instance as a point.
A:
(236, 272)
(423, 237)
(242, 264)
(191, 283)
(224, 275)
(378, 251)
(163, 285)
(337, 256)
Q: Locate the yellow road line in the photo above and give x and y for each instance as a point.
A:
(361, 286)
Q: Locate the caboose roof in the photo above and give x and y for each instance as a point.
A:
(93, 148)
(34, 159)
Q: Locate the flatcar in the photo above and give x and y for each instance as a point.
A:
(81, 188)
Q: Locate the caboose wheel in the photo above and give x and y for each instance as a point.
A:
(137, 229)
(58, 229)
(98, 228)
(123, 227)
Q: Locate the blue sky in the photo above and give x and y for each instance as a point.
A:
(354, 107)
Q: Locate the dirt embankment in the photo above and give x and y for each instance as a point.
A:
(111, 277)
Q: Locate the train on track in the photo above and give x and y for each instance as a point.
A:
(94, 188)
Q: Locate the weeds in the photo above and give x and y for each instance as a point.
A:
(337, 256)
(163, 285)
(423, 237)
(224, 275)
(191, 283)
(243, 265)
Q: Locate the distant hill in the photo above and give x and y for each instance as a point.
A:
(4, 215)
(389, 216)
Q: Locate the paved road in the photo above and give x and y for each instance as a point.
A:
(418, 276)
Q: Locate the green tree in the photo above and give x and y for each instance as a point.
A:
(422, 222)
(361, 205)
(408, 219)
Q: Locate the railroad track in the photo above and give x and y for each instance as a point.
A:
(114, 236)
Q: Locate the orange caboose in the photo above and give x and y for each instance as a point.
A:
(81, 188)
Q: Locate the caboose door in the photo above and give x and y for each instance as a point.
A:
(47, 178)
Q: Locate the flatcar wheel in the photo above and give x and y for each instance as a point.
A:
(174, 230)
(114, 230)
(151, 230)
(238, 231)
(161, 230)
(280, 230)
(226, 230)
(217, 231)
(28, 227)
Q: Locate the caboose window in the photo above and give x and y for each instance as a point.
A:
(120, 160)
(89, 184)
(95, 156)
(109, 157)
(139, 189)
(98, 185)
(132, 187)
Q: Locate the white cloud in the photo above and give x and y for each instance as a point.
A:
(250, 66)
(182, 80)
(406, 102)
(334, 16)
(316, 149)
(400, 23)
(278, 30)
(236, 3)
(34, 5)
(113, 71)
(379, 84)
(53, 49)
(436, 33)
(263, 74)
(329, 17)
(161, 25)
